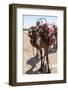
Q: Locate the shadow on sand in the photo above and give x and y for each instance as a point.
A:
(32, 61)
(35, 60)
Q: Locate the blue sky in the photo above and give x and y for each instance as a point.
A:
(30, 20)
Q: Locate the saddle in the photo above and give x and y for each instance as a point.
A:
(50, 31)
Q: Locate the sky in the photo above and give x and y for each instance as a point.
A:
(30, 20)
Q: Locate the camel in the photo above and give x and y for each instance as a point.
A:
(39, 40)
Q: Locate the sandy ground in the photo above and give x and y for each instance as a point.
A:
(31, 62)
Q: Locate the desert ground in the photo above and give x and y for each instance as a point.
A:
(31, 62)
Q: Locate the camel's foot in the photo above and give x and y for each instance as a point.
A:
(49, 71)
(44, 70)
(40, 70)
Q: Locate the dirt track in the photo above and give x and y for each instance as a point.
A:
(31, 63)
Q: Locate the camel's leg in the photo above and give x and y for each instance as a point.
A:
(37, 53)
(47, 62)
(42, 63)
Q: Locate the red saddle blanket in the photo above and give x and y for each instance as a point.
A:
(51, 30)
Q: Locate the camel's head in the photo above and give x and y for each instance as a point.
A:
(32, 32)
